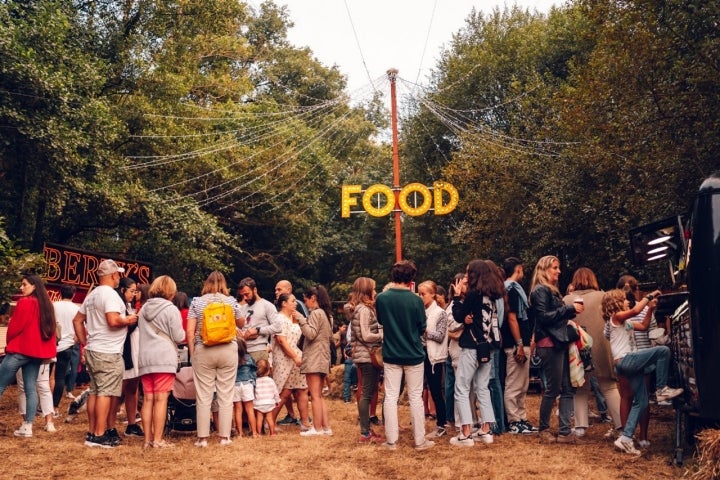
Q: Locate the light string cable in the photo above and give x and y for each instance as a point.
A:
(260, 132)
(357, 41)
(427, 40)
(291, 154)
(263, 170)
(459, 121)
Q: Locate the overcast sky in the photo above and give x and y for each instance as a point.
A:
(402, 34)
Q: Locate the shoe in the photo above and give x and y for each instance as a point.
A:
(113, 435)
(374, 420)
(303, 428)
(224, 442)
(425, 445)
(484, 437)
(610, 434)
(134, 430)
(569, 439)
(328, 432)
(664, 403)
(578, 431)
(347, 401)
(101, 441)
(389, 446)
(57, 414)
(667, 393)
(430, 416)
(529, 428)
(644, 444)
(605, 418)
(437, 433)
(311, 432)
(88, 436)
(547, 437)
(70, 396)
(353, 388)
(164, 444)
(460, 441)
(371, 437)
(626, 447)
(50, 427)
(325, 391)
(201, 443)
(288, 420)
(593, 415)
(25, 430)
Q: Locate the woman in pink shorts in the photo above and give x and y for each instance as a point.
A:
(161, 330)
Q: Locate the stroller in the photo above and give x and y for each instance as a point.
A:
(181, 416)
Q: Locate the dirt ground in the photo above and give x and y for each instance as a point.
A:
(62, 455)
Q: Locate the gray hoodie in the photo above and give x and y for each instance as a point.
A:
(158, 351)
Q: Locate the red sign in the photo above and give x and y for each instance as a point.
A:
(70, 266)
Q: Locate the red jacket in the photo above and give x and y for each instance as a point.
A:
(23, 335)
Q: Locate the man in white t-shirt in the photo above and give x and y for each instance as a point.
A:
(102, 325)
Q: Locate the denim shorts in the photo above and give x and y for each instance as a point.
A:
(106, 373)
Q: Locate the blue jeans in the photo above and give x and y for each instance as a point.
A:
(556, 365)
(349, 378)
(472, 374)
(72, 373)
(30, 370)
(497, 396)
(449, 391)
(634, 365)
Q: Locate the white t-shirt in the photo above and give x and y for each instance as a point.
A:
(64, 313)
(622, 341)
(102, 338)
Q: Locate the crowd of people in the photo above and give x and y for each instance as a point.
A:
(463, 357)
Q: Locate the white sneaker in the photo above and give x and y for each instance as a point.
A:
(310, 433)
(579, 431)
(25, 430)
(201, 443)
(666, 393)
(70, 396)
(50, 427)
(224, 442)
(484, 437)
(328, 432)
(460, 441)
(643, 444)
(626, 447)
(425, 445)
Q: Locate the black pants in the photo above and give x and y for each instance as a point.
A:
(61, 369)
(434, 376)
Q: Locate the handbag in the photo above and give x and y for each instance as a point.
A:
(376, 357)
(482, 348)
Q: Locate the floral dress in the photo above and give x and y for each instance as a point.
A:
(285, 373)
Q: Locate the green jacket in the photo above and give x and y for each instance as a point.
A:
(402, 315)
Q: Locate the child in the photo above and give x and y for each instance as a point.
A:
(267, 397)
(244, 389)
(632, 363)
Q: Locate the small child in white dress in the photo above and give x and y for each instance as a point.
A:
(267, 397)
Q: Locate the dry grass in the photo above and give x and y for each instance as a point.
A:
(62, 455)
(708, 456)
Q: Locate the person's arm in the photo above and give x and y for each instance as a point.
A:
(310, 326)
(287, 349)
(79, 327)
(514, 327)
(620, 317)
(366, 334)
(115, 320)
(438, 335)
(645, 324)
(547, 314)
(274, 325)
(190, 334)
(177, 333)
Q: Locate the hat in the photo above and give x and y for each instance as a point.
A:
(108, 267)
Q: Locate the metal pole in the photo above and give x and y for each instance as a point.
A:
(392, 75)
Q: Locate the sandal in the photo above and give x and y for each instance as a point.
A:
(147, 445)
(163, 444)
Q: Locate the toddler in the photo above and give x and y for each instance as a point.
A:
(267, 397)
(244, 389)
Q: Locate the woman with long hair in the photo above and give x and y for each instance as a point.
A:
(127, 290)
(436, 351)
(160, 330)
(551, 317)
(365, 334)
(287, 358)
(214, 367)
(317, 329)
(30, 342)
(478, 314)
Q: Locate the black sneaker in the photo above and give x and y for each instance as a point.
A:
(375, 420)
(288, 420)
(102, 441)
(515, 428)
(134, 430)
(528, 427)
(113, 436)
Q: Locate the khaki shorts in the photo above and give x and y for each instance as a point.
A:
(106, 373)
